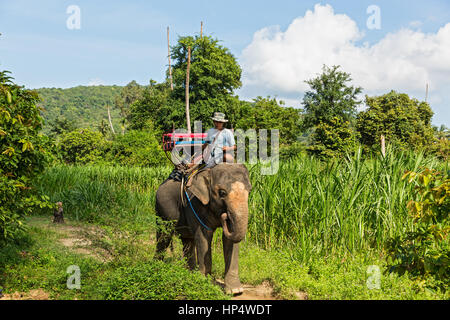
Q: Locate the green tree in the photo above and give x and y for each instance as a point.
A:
(268, 113)
(82, 106)
(405, 122)
(137, 148)
(128, 95)
(330, 96)
(214, 75)
(214, 71)
(82, 146)
(335, 136)
(156, 108)
(22, 155)
(61, 125)
(330, 107)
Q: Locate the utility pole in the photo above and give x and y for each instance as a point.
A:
(201, 29)
(426, 93)
(168, 55)
(188, 119)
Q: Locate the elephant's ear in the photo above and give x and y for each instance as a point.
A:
(199, 185)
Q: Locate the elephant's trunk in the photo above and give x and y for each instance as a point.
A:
(235, 220)
(234, 226)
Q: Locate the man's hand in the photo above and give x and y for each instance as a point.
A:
(224, 149)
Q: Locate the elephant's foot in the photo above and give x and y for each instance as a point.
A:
(233, 287)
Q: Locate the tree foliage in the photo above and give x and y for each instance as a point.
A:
(425, 251)
(333, 138)
(214, 71)
(82, 146)
(267, 113)
(156, 108)
(138, 148)
(128, 95)
(329, 108)
(330, 96)
(22, 155)
(62, 125)
(82, 106)
(214, 75)
(405, 122)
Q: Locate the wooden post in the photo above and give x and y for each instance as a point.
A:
(188, 119)
(383, 146)
(168, 55)
(110, 122)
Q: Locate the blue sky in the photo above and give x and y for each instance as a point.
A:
(120, 41)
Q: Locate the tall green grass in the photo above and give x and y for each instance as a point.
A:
(93, 193)
(313, 207)
(351, 204)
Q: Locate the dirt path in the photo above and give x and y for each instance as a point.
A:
(263, 291)
(37, 294)
(77, 238)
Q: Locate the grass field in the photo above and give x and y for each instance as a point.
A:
(314, 227)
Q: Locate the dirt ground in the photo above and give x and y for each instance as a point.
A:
(37, 294)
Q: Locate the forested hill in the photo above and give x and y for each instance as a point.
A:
(79, 107)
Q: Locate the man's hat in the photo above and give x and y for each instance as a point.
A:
(219, 117)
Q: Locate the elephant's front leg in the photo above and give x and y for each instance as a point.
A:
(203, 240)
(231, 255)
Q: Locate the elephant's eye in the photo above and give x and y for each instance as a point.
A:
(222, 193)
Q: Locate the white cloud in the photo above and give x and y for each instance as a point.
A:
(95, 82)
(280, 61)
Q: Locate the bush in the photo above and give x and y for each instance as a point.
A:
(292, 151)
(22, 155)
(334, 138)
(441, 148)
(156, 280)
(82, 146)
(425, 251)
(136, 148)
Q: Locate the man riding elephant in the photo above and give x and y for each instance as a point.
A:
(220, 142)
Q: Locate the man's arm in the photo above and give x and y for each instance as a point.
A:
(230, 141)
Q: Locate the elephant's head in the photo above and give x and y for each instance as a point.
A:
(225, 189)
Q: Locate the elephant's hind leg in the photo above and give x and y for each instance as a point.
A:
(164, 239)
(167, 209)
(189, 252)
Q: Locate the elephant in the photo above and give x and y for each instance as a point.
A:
(219, 197)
